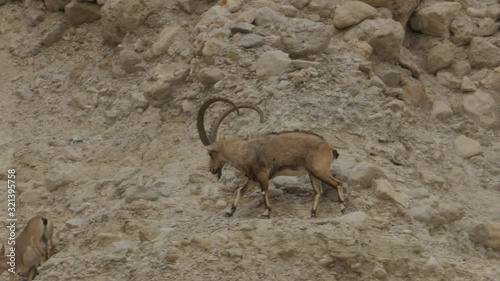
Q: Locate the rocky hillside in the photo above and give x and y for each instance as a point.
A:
(99, 101)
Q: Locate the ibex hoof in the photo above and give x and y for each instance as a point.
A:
(342, 208)
(265, 216)
(228, 214)
(313, 214)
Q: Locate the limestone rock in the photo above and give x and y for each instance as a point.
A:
(53, 35)
(482, 108)
(351, 13)
(487, 27)
(210, 75)
(440, 56)
(400, 9)
(129, 61)
(447, 79)
(487, 234)
(385, 190)
(482, 53)
(250, 41)
(302, 37)
(82, 12)
(451, 211)
(461, 68)
(267, 16)
(463, 30)
(409, 61)
(364, 173)
(241, 27)
(272, 63)
(56, 179)
(120, 17)
(359, 220)
(165, 39)
(441, 109)
(75, 223)
(30, 196)
(134, 193)
(466, 147)
(165, 80)
(467, 85)
(414, 93)
(424, 213)
(384, 35)
(360, 48)
(56, 5)
(435, 19)
(492, 81)
(106, 239)
(232, 5)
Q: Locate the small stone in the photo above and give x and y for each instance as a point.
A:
(30, 196)
(56, 179)
(467, 85)
(134, 193)
(129, 61)
(165, 39)
(379, 273)
(201, 242)
(441, 109)
(210, 75)
(273, 192)
(148, 234)
(106, 239)
(377, 82)
(466, 147)
(359, 220)
(487, 234)
(440, 56)
(423, 213)
(75, 223)
(414, 93)
(272, 63)
(352, 13)
(250, 41)
(82, 12)
(385, 190)
(241, 27)
(220, 204)
(364, 173)
(232, 6)
(481, 107)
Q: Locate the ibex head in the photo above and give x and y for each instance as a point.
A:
(217, 160)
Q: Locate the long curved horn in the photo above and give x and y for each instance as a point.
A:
(218, 121)
(200, 122)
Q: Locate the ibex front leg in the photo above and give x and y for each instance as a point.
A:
(241, 191)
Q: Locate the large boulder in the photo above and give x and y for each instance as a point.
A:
(435, 19)
(440, 56)
(400, 9)
(487, 234)
(482, 108)
(351, 13)
(165, 80)
(384, 35)
(483, 53)
(272, 63)
(302, 37)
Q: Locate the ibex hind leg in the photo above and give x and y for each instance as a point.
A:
(316, 185)
(240, 192)
(328, 179)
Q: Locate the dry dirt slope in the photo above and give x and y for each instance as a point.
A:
(132, 199)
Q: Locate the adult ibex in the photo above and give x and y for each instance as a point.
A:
(264, 157)
(32, 248)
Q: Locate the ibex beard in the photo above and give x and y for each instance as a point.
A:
(264, 157)
(32, 248)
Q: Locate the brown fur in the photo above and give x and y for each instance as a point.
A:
(290, 153)
(33, 248)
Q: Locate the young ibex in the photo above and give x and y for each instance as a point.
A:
(264, 157)
(32, 248)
